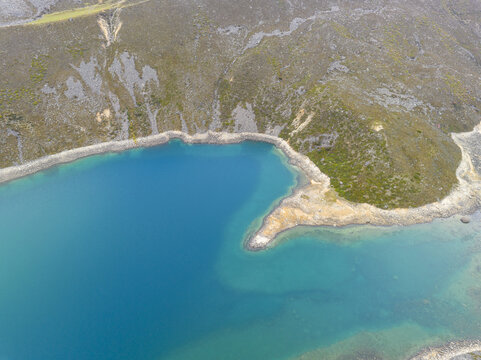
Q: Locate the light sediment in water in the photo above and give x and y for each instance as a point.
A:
(461, 200)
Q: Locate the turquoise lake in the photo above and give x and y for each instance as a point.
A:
(139, 255)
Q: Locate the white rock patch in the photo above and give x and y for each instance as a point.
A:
(389, 99)
(244, 119)
(75, 89)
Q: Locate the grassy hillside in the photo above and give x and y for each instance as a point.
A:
(369, 90)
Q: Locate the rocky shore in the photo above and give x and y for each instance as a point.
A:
(316, 204)
(459, 350)
(300, 161)
(313, 204)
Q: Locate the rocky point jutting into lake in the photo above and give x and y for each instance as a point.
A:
(373, 108)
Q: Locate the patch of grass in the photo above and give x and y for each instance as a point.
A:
(457, 89)
(139, 125)
(9, 98)
(357, 164)
(75, 13)
(276, 66)
(76, 51)
(399, 49)
(83, 11)
(342, 30)
(38, 69)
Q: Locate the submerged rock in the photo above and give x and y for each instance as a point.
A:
(465, 219)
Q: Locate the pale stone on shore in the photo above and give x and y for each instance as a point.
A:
(313, 204)
(465, 219)
(449, 351)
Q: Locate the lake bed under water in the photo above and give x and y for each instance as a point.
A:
(139, 255)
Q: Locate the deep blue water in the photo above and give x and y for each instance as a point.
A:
(139, 255)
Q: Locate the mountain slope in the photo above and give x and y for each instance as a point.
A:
(369, 90)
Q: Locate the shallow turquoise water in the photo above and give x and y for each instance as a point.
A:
(139, 255)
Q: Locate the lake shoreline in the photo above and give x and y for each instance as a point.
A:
(463, 199)
(311, 204)
(316, 204)
(215, 138)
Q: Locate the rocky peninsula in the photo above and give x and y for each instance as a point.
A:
(317, 204)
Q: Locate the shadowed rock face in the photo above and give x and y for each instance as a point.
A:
(369, 90)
